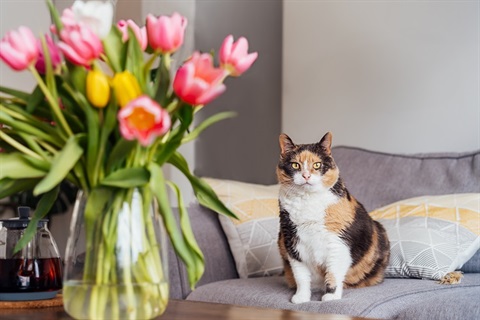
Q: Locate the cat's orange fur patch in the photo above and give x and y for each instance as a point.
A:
(330, 279)
(330, 177)
(309, 157)
(340, 216)
(356, 274)
(283, 177)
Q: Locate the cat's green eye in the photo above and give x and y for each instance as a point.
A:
(295, 166)
(317, 165)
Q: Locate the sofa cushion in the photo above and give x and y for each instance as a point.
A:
(394, 298)
(253, 237)
(431, 236)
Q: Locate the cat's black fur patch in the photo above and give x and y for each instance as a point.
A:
(358, 235)
(289, 231)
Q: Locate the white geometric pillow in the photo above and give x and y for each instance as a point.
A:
(253, 237)
(431, 236)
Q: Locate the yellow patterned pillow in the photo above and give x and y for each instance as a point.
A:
(252, 238)
(431, 236)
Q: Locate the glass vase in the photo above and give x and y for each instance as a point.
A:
(116, 257)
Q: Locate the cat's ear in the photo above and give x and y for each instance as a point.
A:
(326, 143)
(286, 144)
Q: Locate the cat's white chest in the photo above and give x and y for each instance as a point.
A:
(306, 207)
(307, 212)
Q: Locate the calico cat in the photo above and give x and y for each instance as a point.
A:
(326, 236)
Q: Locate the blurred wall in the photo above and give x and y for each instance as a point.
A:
(244, 148)
(394, 76)
(12, 16)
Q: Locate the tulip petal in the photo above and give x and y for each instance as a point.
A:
(239, 48)
(225, 49)
(165, 33)
(72, 55)
(211, 94)
(183, 78)
(245, 63)
(16, 60)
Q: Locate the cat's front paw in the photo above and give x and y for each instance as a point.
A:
(300, 298)
(330, 297)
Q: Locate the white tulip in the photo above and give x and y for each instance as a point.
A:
(97, 15)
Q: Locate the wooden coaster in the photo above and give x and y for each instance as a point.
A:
(32, 304)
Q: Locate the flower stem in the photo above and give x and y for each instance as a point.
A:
(53, 103)
(5, 137)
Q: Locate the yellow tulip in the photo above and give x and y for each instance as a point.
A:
(98, 89)
(126, 88)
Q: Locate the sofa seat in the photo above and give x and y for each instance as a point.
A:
(392, 299)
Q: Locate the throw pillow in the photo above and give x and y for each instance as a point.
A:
(252, 238)
(431, 236)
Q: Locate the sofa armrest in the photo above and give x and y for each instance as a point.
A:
(219, 263)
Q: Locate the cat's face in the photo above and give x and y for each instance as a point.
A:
(307, 166)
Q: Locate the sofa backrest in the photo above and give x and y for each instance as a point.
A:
(377, 179)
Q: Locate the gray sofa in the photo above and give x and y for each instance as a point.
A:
(376, 179)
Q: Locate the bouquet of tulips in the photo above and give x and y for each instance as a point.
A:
(107, 119)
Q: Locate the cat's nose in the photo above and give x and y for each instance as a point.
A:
(306, 175)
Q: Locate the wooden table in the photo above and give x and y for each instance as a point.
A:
(187, 310)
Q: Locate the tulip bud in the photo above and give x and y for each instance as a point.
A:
(126, 88)
(166, 33)
(98, 89)
(234, 56)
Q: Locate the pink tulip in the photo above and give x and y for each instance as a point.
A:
(52, 50)
(165, 34)
(80, 44)
(143, 119)
(197, 81)
(234, 57)
(19, 49)
(140, 33)
(67, 19)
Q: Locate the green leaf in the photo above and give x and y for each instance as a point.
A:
(134, 60)
(157, 185)
(109, 122)
(121, 150)
(35, 99)
(207, 123)
(55, 16)
(15, 93)
(187, 232)
(14, 166)
(43, 207)
(49, 75)
(93, 136)
(162, 80)
(204, 193)
(12, 186)
(127, 178)
(115, 50)
(78, 77)
(185, 114)
(28, 128)
(62, 163)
